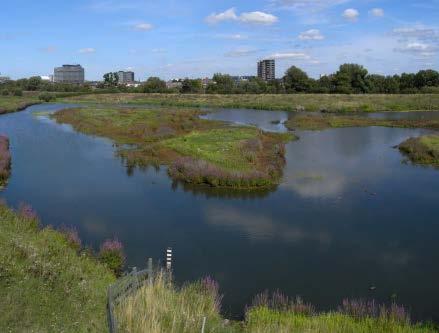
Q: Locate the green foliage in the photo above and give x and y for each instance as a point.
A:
(18, 92)
(5, 92)
(191, 86)
(111, 79)
(46, 97)
(422, 150)
(45, 286)
(153, 85)
(351, 78)
(296, 80)
(34, 83)
(112, 255)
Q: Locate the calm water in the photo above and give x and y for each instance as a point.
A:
(348, 214)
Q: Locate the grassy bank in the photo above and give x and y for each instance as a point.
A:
(16, 103)
(422, 150)
(45, 286)
(5, 160)
(293, 102)
(161, 307)
(197, 151)
(324, 121)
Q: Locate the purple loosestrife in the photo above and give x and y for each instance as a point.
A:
(111, 254)
(27, 212)
(212, 287)
(72, 237)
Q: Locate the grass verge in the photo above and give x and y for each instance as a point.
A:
(291, 102)
(5, 161)
(422, 150)
(45, 286)
(16, 103)
(324, 121)
(198, 151)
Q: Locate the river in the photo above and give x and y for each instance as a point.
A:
(349, 214)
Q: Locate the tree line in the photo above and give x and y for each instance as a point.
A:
(349, 79)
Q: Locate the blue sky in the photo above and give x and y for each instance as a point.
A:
(195, 38)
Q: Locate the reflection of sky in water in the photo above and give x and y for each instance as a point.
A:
(347, 214)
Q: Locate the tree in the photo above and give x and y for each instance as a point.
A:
(223, 84)
(191, 86)
(154, 85)
(351, 78)
(111, 79)
(33, 83)
(296, 80)
(426, 78)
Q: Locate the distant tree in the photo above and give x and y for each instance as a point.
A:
(111, 79)
(223, 84)
(351, 78)
(296, 80)
(33, 83)
(426, 78)
(191, 86)
(407, 82)
(154, 85)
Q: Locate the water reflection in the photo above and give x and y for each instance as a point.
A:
(347, 214)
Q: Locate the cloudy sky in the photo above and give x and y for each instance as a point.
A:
(196, 38)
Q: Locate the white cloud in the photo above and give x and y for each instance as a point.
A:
(242, 52)
(228, 15)
(232, 36)
(143, 26)
(377, 12)
(309, 5)
(312, 34)
(351, 14)
(290, 55)
(87, 50)
(256, 17)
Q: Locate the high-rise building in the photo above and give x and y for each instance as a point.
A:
(267, 69)
(125, 77)
(73, 74)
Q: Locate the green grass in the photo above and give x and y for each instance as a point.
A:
(292, 102)
(222, 147)
(265, 320)
(162, 307)
(233, 156)
(422, 150)
(16, 103)
(324, 121)
(45, 286)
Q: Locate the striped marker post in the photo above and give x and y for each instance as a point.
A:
(169, 258)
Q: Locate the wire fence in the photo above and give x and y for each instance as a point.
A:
(124, 287)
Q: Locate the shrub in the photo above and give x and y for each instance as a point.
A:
(18, 92)
(112, 255)
(5, 92)
(46, 97)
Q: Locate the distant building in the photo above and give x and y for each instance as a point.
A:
(125, 77)
(267, 69)
(243, 78)
(174, 84)
(73, 74)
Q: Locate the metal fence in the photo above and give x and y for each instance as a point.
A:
(125, 286)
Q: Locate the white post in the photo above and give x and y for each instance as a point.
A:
(169, 258)
(204, 325)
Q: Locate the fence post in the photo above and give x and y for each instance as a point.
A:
(111, 319)
(136, 278)
(149, 270)
(204, 325)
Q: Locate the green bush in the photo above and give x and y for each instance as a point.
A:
(46, 97)
(111, 254)
(18, 92)
(5, 92)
